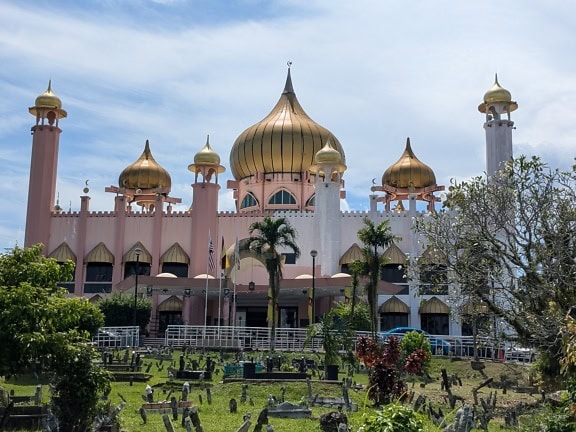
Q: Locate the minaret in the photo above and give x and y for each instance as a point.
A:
(497, 104)
(204, 221)
(43, 167)
(328, 168)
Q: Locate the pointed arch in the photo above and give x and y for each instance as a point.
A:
(434, 306)
(145, 256)
(171, 304)
(433, 256)
(394, 305)
(249, 200)
(63, 253)
(394, 255)
(100, 253)
(95, 299)
(282, 197)
(175, 254)
(311, 202)
(354, 253)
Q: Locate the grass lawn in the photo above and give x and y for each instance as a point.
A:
(215, 417)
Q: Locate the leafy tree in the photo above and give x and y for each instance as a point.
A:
(375, 238)
(44, 331)
(515, 232)
(337, 334)
(118, 310)
(358, 318)
(266, 237)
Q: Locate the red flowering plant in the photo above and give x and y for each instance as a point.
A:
(388, 365)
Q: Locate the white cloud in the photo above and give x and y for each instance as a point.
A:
(373, 72)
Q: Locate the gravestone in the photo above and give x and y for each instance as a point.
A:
(244, 393)
(185, 390)
(167, 423)
(233, 406)
(143, 414)
(209, 395)
(149, 393)
(174, 407)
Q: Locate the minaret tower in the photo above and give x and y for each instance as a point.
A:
(43, 167)
(206, 168)
(328, 169)
(497, 106)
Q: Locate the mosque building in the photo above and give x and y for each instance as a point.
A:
(189, 262)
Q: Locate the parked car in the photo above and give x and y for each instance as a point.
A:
(437, 345)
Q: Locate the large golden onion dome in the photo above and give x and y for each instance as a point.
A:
(285, 141)
(408, 172)
(145, 173)
(48, 100)
(498, 94)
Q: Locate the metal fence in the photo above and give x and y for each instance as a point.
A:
(117, 337)
(295, 340)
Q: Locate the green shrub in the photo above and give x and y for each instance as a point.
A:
(393, 418)
(413, 341)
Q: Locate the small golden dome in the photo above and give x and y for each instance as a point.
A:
(145, 173)
(408, 172)
(328, 154)
(48, 100)
(285, 141)
(206, 157)
(497, 93)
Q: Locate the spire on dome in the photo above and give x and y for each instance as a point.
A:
(288, 87)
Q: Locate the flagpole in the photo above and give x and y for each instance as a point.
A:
(219, 298)
(206, 290)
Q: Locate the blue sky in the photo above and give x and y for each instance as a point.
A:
(372, 71)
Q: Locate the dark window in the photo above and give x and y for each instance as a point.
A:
(433, 279)
(177, 269)
(393, 273)
(289, 258)
(390, 320)
(98, 278)
(248, 201)
(130, 269)
(436, 324)
(98, 272)
(69, 285)
(282, 197)
(311, 201)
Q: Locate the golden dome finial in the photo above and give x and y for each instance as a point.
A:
(145, 173)
(409, 171)
(288, 88)
(48, 101)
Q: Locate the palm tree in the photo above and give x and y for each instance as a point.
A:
(265, 239)
(374, 237)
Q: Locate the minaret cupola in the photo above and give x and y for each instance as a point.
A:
(206, 163)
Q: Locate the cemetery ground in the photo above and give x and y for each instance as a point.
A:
(511, 385)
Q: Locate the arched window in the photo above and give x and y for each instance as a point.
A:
(282, 197)
(311, 201)
(248, 201)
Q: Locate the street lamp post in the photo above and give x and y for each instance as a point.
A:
(138, 252)
(313, 254)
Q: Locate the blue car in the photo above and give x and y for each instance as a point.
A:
(437, 345)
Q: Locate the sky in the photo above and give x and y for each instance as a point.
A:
(373, 72)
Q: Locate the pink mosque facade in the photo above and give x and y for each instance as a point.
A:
(285, 165)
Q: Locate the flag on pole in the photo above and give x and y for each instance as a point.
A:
(211, 265)
(223, 258)
(237, 254)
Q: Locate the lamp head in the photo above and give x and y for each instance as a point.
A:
(313, 253)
